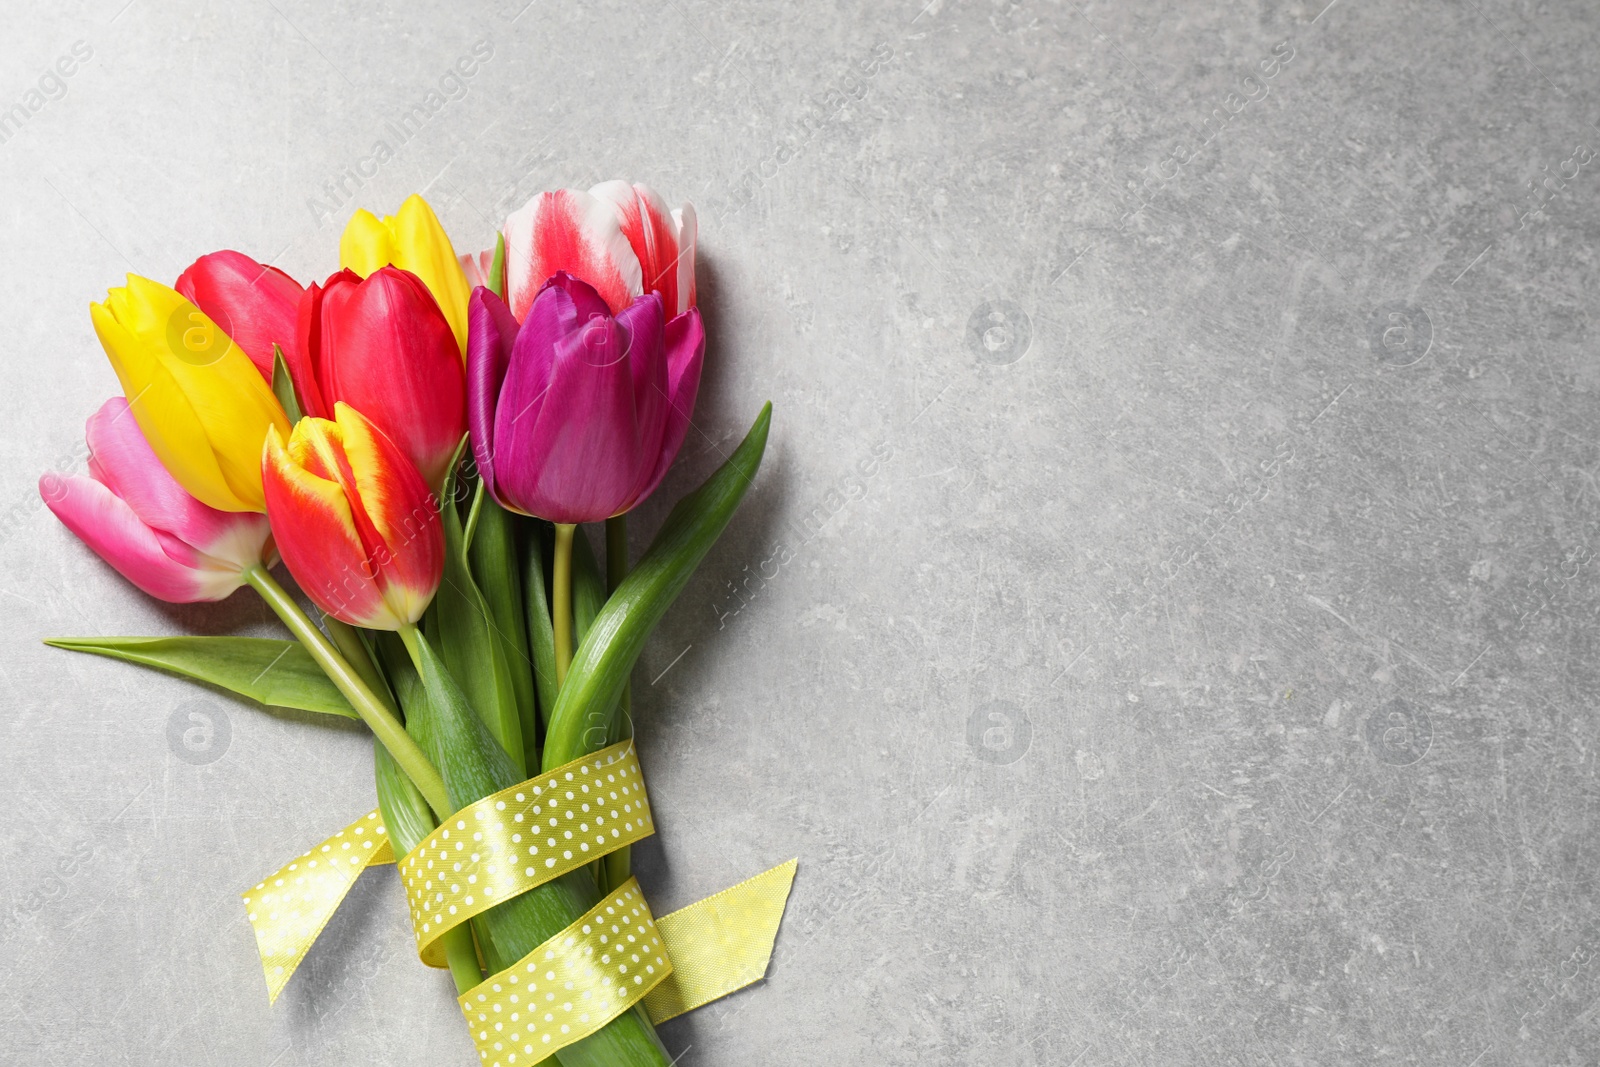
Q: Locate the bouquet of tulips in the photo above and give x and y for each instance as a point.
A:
(420, 439)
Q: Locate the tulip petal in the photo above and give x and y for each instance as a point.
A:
(315, 531)
(688, 239)
(425, 250)
(685, 354)
(121, 459)
(644, 323)
(395, 513)
(411, 239)
(654, 235)
(559, 312)
(476, 267)
(109, 526)
(252, 303)
(384, 348)
(164, 413)
(585, 445)
(489, 345)
(570, 231)
(200, 401)
(304, 359)
(366, 243)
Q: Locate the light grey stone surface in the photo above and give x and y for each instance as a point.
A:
(1164, 625)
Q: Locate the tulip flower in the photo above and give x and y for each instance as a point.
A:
(412, 240)
(477, 268)
(354, 521)
(142, 522)
(576, 414)
(382, 346)
(202, 405)
(255, 305)
(619, 238)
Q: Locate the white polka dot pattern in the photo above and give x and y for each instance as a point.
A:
(521, 838)
(291, 907)
(570, 986)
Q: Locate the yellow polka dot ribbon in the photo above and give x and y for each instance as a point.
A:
(570, 986)
(522, 837)
(614, 957)
(290, 908)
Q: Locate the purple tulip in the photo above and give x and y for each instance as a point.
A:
(576, 415)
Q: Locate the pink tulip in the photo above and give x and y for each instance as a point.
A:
(576, 415)
(142, 522)
(619, 238)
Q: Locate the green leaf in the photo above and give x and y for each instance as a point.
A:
(588, 586)
(406, 816)
(405, 811)
(493, 558)
(541, 631)
(581, 720)
(280, 674)
(497, 269)
(460, 624)
(474, 766)
(283, 387)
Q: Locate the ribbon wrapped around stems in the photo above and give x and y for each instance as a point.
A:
(615, 956)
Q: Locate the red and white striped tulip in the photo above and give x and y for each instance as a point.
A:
(354, 521)
(618, 238)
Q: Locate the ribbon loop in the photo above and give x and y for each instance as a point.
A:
(289, 908)
(570, 986)
(521, 838)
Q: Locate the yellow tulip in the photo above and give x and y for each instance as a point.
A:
(203, 406)
(412, 240)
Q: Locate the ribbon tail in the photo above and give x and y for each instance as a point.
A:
(720, 944)
(290, 908)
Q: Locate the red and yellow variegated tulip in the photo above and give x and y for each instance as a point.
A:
(143, 523)
(383, 347)
(354, 521)
(619, 238)
(255, 305)
(201, 403)
(412, 240)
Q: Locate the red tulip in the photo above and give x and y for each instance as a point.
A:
(255, 305)
(383, 346)
(353, 520)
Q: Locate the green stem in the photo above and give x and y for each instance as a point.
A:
(462, 956)
(373, 711)
(618, 866)
(616, 551)
(348, 641)
(561, 599)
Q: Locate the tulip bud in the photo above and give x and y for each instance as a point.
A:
(254, 304)
(354, 521)
(199, 399)
(383, 347)
(412, 240)
(577, 415)
(143, 523)
(619, 238)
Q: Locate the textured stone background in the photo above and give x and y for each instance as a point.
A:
(1164, 626)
